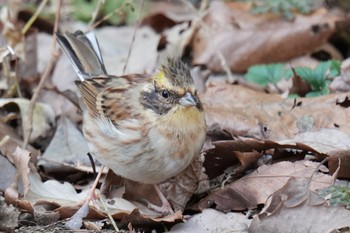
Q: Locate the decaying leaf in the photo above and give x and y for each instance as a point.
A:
(340, 159)
(180, 189)
(300, 210)
(20, 158)
(43, 115)
(13, 141)
(323, 140)
(213, 221)
(342, 83)
(245, 39)
(7, 173)
(52, 191)
(67, 201)
(67, 150)
(8, 217)
(255, 188)
(269, 116)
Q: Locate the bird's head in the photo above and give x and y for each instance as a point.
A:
(173, 90)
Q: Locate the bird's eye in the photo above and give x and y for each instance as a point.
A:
(165, 94)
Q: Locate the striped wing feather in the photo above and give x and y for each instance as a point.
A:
(109, 96)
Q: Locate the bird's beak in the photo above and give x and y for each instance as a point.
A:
(188, 100)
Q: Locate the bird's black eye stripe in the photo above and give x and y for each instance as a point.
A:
(165, 94)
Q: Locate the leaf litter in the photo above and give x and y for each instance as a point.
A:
(262, 149)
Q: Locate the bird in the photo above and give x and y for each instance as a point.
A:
(145, 128)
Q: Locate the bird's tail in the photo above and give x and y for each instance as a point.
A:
(83, 52)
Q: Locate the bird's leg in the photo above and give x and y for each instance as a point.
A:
(91, 195)
(166, 207)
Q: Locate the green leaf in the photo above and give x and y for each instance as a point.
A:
(338, 194)
(307, 74)
(317, 78)
(111, 5)
(334, 68)
(314, 94)
(82, 9)
(265, 74)
(285, 8)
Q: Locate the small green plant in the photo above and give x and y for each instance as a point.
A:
(285, 8)
(122, 10)
(338, 195)
(265, 74)
(318, 78)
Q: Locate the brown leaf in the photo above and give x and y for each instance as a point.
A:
(61, 104)
(158, 22)
(267, 116)
(43, 115)
(66, 201)
(342, 83)
(136, 218)
(340, 158)
(242, 153)
(300, 210)
(26, 67)
(45, 217)
(323, 141)
(245, 39)
(7, 173)
(67, 150)
(300, 86)
(255, 188)
(12, 197)
(213, 221)
(14, 141)
(9, 217)
(177, 190)
(20, 158)
(180, 189)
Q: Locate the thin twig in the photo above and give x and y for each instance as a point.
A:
(95, 13)
(108, 213)
(106, 17)
(133, 37)
(34, 17)
(219, 54)
(28, 126)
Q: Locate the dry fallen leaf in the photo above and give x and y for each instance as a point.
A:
(67, 150)
(300, 210)
(323, 140)
(7, 173)
(52, 191)
(213, 221)
(255, 188)
(268, 116)
(66, 200)
(181, 188)
(245, 39)
(9, 217)
(43, 115)
(20, 158)
(340, 159)
(61, 104)
(14, 141)
(342, 83)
